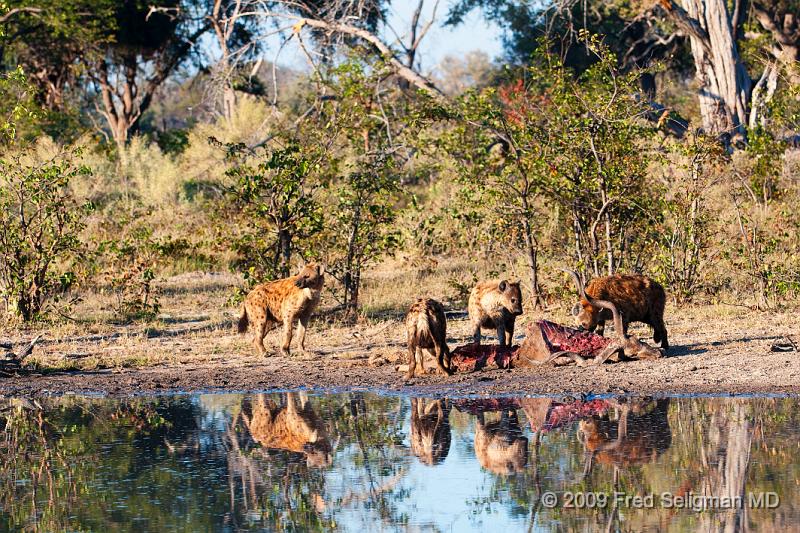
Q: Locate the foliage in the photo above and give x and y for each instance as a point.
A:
(371, 124)
(39, 225)
(766, 248)
(19, 112)
(692, 172)
(128, 258)
(274, 197)
(573, 144)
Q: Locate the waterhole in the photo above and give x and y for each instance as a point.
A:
(369, 462)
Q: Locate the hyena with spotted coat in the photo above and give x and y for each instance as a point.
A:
(636, 297)
(495, 305)
(284, 301)
(426, 326)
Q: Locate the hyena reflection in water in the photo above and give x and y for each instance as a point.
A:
(500, 446)
(293, 426)
(430, 430)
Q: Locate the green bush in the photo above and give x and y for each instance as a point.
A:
(39, 225)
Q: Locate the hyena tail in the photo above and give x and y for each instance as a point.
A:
(243, 320)
(423, 327)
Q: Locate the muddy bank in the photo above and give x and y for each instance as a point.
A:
(749, 368)
(715, 350)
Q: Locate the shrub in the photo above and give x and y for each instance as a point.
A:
(39, 225)
(274, 199)
(129, 259)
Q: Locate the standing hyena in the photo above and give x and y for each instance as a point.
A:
(426, 327)
(283, 302)
(495, 305)
(636, 297)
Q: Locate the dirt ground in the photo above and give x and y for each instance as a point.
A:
(714, 349)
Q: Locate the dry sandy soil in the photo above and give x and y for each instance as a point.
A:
(715, 349)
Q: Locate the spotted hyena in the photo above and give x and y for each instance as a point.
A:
(284, 301)
(426, 327)
(636, 297)
(495, 305)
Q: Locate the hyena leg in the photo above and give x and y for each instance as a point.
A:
(302, 324)
(412, 360)
(501, 334)
(660, 334)
(287, 335)
(264, 327)
(510, 334)
(259, 332)
(476, 333)
(440, 359)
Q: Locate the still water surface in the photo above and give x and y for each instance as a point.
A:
(366, 462)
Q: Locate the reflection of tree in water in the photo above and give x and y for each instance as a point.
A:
(51, 458)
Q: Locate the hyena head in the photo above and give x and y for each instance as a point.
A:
(511, 296)
(311, 277)
(318, 454)
(586, 315)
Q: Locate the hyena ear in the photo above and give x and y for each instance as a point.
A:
(321, 269)
(576, 309)
(503, 286)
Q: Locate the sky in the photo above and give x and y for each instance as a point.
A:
(474, 33)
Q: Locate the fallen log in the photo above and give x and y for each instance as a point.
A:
(12, 362)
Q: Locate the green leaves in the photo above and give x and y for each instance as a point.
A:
(39, 226)
(274, 193)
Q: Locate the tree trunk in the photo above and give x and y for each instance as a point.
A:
(351, 278)
(532, 251)
(762, 95)
(285, 245)
(724, 83)
(730, 436)
(224, 26)
(724, 91)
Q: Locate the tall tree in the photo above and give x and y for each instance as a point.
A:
(147, 46)
(730, 97)
(237, 38)
(117, 52)
(725, 85)
(781, 18)
(49, 39)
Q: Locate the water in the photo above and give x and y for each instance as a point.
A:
(366, 462)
